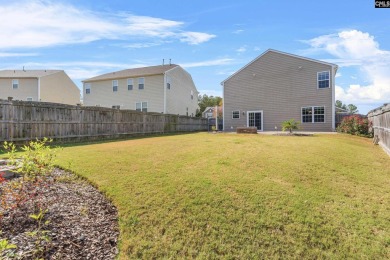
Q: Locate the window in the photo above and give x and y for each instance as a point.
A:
(141, 106)
(313, 114)
(129, 84)
(192, 94)
(141, 83)
(116, 107)
(168, 83)
(29, 99)
(114, 85)
(15, 84)
(236, 114)
(87, 88)
(323, 79)
(319, 114)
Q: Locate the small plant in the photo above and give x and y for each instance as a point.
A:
(290, 125)
(40, 236)
(5, 245)
(36, 159)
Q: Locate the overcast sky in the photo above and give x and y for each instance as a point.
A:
(210, 39)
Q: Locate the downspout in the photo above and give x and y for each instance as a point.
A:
(165, 93)
(334, 70)
(39, 89)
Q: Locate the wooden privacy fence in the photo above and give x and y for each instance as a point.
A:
(380, 118)
(21, 121)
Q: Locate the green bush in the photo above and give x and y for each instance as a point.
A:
(35, 160)
(356, 125)
(290, 125)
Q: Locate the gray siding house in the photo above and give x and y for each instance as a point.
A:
(167, 89)
(278, 86)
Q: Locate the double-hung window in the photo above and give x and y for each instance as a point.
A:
(313, 114)
(115, 85)
(129, 84)
(15, 84)
(141, 83)
(87, 88)
(323, 79)
(141, 106)
(236, 114)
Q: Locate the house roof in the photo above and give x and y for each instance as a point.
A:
(26, 73)
(284, 53)
(136, 72)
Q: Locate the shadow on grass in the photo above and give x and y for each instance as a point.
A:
(102, 140)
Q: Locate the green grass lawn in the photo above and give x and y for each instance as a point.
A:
(234, 196)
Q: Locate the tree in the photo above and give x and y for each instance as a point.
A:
(290, 125)
(207, 101)
(340, 104)
(352, 109)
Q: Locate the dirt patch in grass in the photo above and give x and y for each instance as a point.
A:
(79, 223)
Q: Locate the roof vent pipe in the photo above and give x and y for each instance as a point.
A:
(170, 62)
(163, 62)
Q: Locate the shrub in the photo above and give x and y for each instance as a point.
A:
(35, 160)
(355, 125)
(290, 125)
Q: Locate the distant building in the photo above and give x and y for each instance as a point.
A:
(39, 85)
(278, 86)
(165, 89)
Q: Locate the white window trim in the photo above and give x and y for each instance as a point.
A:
(312, 115)
(113, 85)
(147, 105)
(318, 85)
(132, 83)
(17, 83)
(262, 116)
(87, 86)
(239, 116)
(141, 83)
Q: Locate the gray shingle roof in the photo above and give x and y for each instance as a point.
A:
(26, 73)
(136, 72)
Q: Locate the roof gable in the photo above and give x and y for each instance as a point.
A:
(283, 53)
(135, 72)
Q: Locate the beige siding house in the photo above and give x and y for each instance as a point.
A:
(278, 86)
(165, 89)
(39, 85)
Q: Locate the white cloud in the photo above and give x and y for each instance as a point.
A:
(207, 63)
(238, 31)
(356, 48)
(241, 49)
(17, 54)
(34, 23)
(194, 38)
(141, 45)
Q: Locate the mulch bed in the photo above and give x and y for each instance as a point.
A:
(82, 223)
(293, 134)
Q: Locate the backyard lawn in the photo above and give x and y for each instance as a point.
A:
(234, 196)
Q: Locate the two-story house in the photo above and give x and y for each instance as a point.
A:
(278, 86)
(167, 89)
(39, 85)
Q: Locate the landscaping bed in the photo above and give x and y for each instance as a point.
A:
(76, 221)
